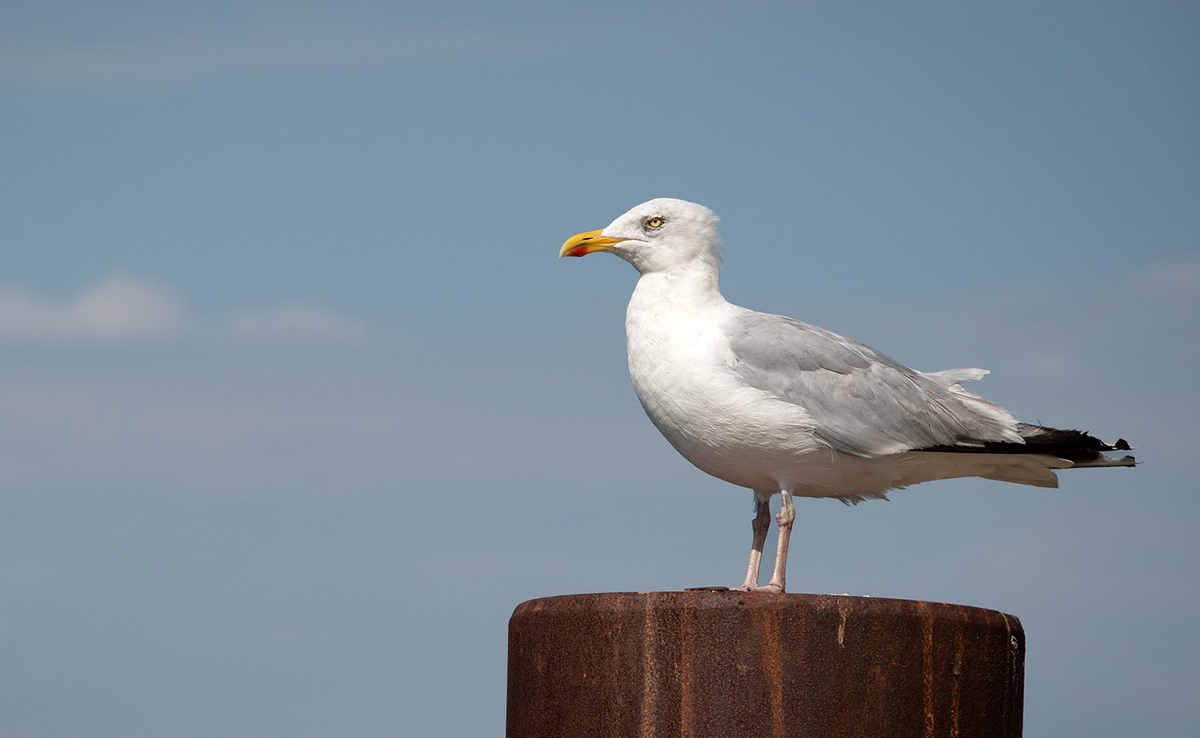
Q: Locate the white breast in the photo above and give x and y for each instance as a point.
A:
(681, 366)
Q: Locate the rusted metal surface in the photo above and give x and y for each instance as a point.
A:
(738, 665)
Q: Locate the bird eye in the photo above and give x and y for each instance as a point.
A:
(653, 222)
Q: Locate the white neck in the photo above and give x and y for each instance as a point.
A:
(663, 301)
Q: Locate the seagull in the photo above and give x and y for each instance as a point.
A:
(783, 407)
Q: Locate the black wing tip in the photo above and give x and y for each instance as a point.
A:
(1073, 445)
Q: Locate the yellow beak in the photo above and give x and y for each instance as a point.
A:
(583, 244)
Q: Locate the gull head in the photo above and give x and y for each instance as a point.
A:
(656, 236)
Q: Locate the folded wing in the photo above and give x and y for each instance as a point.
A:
(862, 402)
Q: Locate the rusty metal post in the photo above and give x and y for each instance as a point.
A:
(735, 665)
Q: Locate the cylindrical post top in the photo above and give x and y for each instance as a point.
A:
(731, 664)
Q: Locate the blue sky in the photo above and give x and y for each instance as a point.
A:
(298, 402)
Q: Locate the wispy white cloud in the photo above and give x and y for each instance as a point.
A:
(124, 306)
(296, 320)
(1181, 275)
(279, 45)
(120, 306)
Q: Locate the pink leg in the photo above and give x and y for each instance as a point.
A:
(787, 513)
(761, 526)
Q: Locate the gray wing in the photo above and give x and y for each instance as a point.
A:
(863, 402)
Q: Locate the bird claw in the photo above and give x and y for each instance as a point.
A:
(767, 588)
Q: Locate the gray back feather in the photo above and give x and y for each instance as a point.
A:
(863, 402)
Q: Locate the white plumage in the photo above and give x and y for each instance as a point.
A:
(779, 406)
